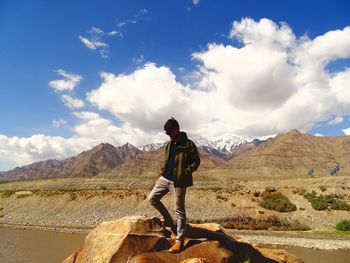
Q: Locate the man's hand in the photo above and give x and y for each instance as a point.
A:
(160, 174)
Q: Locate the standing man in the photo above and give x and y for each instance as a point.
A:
(181, 160)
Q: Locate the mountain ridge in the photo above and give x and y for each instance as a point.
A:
(287, 153)
(294, 153)
(86, 164)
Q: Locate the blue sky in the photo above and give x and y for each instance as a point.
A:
(77, 73)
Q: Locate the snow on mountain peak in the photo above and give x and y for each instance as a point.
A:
(224, 143)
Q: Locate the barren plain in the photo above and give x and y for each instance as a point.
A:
(80, 204)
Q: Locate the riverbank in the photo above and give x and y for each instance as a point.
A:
(78, 205)
(309, 240)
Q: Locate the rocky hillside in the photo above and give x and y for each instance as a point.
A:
(292, 153)
(295, 153)
(89, 163)
(152, 161)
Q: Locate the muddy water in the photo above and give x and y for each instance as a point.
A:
(24, 246)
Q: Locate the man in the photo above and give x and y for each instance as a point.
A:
(181, 160)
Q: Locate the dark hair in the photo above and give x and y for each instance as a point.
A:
(171, 124)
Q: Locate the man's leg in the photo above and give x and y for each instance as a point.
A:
(180, 211)
(159, 190)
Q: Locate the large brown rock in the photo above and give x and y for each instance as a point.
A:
(120, 240)
(143, 239)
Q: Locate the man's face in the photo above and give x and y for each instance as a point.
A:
(173, 133)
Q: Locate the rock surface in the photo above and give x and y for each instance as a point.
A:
(143, 239)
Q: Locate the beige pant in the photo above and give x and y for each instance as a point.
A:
(162, 187)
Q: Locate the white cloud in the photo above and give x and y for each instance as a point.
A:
(115, 33)
(87, 43)
(92, 130)
(332, 45)
(346, 131)
(195, 2)
(97, 129)
(68, 82)
(58, 123)
(265, 33)
(104, 53)
(143, 98)
(271, 84)
(276, 82)
(319, 134)
(339, 84)
(138, 60)
(336, 120)
(142, 12)
(72, 103)
(95, 41)
(96, 31)
(21, 151)
(121, 24)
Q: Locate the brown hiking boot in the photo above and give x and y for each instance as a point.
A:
(176, 248)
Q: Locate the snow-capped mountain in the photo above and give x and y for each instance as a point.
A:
(223, 143)
(152, 146)
(225, 146)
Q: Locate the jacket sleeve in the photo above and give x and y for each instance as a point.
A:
(194, 158)
(164, 162)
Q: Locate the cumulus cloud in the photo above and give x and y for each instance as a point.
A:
(21, 151)
(58, 123)
(68, 82)
(336, 120)
(195, 2)
(91, 130)
(144, 97)
(72, 103)
(265, 33)
(346, 131)
(274, 82)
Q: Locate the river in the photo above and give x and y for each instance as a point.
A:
(25, 246)
(28, 246)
